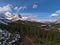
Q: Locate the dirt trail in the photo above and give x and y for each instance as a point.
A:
(27, 41)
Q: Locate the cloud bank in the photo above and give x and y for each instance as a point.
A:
(57, 13)
(5, 8)
(20, 8)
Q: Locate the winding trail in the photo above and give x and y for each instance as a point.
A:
(27, 41)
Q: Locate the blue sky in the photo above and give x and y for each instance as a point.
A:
(43, 9)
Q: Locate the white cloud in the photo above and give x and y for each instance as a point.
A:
(53, 15)
(30, 18)
(16, 8)
(33, 18)
(35, 6)
(20, 8)
(5, 8)
(57, 13)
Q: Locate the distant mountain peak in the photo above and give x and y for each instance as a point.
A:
(9, 17)
(57, 21)
(19, 15)
(12, 17)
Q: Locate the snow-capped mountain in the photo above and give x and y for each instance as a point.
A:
(57, 21)
(12, 17)
(16, 17)
(8, 17)
(3, 19)
(30, 18)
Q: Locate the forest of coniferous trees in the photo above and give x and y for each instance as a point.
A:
(40, 35)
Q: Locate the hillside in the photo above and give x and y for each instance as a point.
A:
(39, 33)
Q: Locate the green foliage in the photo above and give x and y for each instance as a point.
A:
(35, 31)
